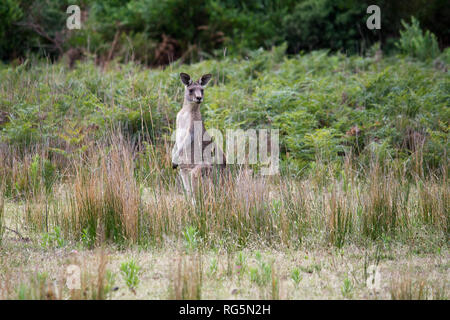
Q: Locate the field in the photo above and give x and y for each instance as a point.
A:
(362, 193)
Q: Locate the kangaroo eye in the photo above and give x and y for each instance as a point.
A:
(191, 91)
(201, 90)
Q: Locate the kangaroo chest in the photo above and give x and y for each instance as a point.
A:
(190, 126)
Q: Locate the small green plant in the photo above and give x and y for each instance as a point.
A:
(275, 292)
(42, 173)
(52, 239)
(241, 266)
(296, 276)
(191, 237)
(254, 274)
(130, 272)
(213, 267)
(110, 282)
(262, 274)
(87, 239)
(23, 292)
(347, 288)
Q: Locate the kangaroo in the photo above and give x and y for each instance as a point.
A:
(192, 138)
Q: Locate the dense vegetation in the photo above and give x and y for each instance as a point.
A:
(366, 135)
(156, 32)
(326, 106)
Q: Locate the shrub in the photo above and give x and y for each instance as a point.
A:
(158, 32)
(296, 276)
(191, 237)
(10, 41)
(416, 43)
(330, 24)
(347, 288)
(130, 272)
(52, 239)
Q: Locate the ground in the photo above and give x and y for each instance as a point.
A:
(322, 272)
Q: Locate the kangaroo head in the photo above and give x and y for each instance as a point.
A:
(193, 92)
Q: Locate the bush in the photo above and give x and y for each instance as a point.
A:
(159, 32)
(325, 24)
(326, 105)
(416, 43)
(130, 271)
(10, 42)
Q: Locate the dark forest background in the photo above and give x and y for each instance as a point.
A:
(155, 32)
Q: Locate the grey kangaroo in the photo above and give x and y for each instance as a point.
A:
(192, 139)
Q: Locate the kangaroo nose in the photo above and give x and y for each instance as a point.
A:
(199, 99)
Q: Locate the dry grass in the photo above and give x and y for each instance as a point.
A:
(170, 273)
(107, 198)
(405, 287)
(2, 213)
(113, 195)
(186, 282)
(95, 281)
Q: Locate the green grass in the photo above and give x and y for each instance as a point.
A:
(130, 272)
(399, 105)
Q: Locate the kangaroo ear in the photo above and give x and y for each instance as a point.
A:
(205, 79)
(185, 78)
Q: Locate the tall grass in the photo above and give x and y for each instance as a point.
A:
(434, 202)
(104, 200)
(382, 203)
(405, 287)
(110, 197)
(27, 173)
(2, 213)
(187, 278)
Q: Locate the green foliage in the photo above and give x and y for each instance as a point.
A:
(213, 267)
(130, 272)
(416, 43)
(296, 276)
(191, 237)
(347, 288)
(158, 32)
(52, 239)
(87, 239)
(241, 264)
(330, 24)
(10, 13)
(36, 289)
(42, 173)
(250, 25)
(262, 274)
(325, 106)
(35, 176)
(110, 282)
